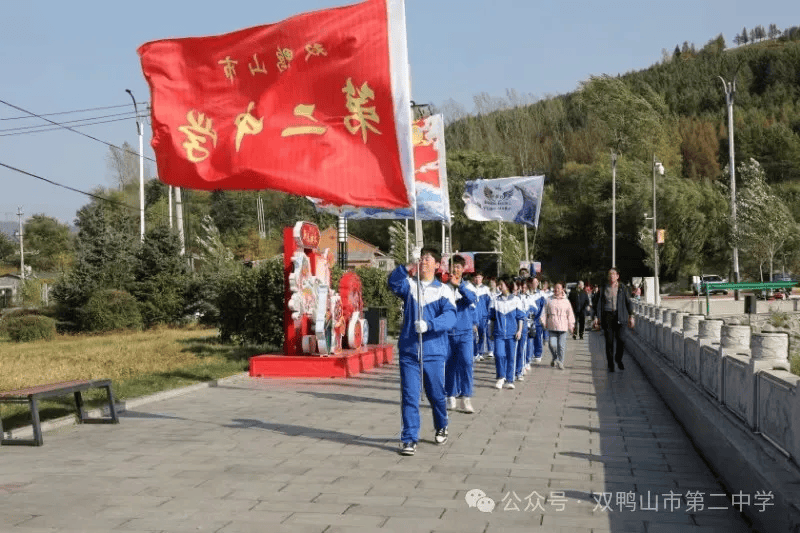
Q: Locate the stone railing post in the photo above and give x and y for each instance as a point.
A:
(655, 321)
(769, 350)
(737, 379)
(691, 346)
(710, 363)
(677, 340)
(664, 332)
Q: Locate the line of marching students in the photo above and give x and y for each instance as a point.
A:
(462, 321)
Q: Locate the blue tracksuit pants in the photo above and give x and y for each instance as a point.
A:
(538, 342)
(458, 369)
(521, 351)
(433, 381)
(482, 342)
(505, 351)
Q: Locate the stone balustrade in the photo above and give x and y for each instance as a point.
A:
(747, 373)
(734, 394)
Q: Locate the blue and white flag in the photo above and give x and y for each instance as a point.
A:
(517, 199)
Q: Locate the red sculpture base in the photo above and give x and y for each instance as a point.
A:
(344, 365)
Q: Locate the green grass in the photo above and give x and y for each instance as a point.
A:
(139, 364)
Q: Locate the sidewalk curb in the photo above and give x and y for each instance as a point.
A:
(26, 432)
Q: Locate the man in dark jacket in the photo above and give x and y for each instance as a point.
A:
(580, 301)
(613, 308)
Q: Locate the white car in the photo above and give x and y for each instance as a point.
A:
(709, 280)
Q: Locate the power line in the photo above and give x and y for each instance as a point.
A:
(22, 130)
(75, 111)
(73, 189)
(74, 130)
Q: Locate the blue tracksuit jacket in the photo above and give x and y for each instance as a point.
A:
(438, 310)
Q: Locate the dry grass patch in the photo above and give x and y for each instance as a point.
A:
(138, 363)
(116, 356)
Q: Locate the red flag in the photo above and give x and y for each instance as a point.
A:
(316, 105)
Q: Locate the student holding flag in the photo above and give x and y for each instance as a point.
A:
(437, 318)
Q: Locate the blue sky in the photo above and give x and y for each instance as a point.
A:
(65, 56)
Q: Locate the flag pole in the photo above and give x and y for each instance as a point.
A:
(420, 293)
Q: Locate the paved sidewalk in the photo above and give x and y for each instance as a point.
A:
(263, 455)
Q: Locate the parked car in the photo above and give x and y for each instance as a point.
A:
(709, 280)
(783, 276)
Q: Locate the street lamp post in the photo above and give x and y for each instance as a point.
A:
(730, 91)
(139, 129)
(613, 209)
(657, 166)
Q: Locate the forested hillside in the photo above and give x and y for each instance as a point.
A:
(674, 112)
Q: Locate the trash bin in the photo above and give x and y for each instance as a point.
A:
(374, 316)
(750, 304)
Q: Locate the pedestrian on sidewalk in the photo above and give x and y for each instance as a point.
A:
(437, 319)
(458, 368)
(580, 304)
(558, 321)
(613, 309)
(506, 315)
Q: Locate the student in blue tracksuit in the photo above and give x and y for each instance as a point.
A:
(482, 315)
(538, 332)
(458, 369)
(506, 316)
(522, 345)
(494, 292)
(530, 332)
(437, 319)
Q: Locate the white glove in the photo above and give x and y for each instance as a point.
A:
(416, 254)
(421, 326)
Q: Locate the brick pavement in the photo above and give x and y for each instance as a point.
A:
(264, 455)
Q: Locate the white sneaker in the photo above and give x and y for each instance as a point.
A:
(451, 402)
(510, 385)
(520, 378)
(527, 367)
(466, 405)
(490, 355)
(537, 360)
(560, 365)
(499, 384)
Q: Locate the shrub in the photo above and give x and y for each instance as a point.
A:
(29, 327)
(376, 293)
(109, 309)
(250, 304)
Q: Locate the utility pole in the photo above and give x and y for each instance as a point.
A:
(613, 209)
(500, 248)
(21, 250)
(262, 230)
(730, 91)
(657, 296)
(179, 212)
(140, 130)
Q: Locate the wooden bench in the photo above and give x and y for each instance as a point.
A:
(33, 395)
